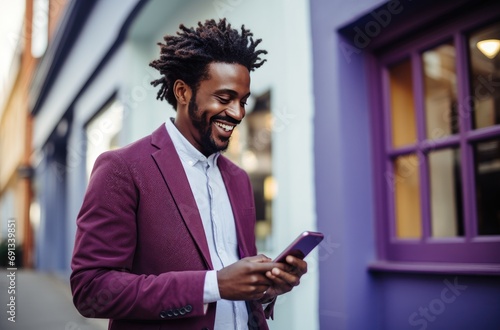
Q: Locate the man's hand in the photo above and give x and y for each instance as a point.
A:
(284, 277)
(258, 278)
(247, 278)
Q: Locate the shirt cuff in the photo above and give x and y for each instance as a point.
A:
(211, 288)
(264, 305)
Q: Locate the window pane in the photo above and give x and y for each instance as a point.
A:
(103, 132)
(440, 91)
(487, 171)
(446, 193)
(407, 197)
(402, 107)
(485, 75)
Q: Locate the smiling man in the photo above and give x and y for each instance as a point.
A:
(165, 236)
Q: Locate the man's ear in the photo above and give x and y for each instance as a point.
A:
(182, 92)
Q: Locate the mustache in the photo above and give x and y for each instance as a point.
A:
(226, 118)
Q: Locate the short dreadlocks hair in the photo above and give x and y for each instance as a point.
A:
(186, 56)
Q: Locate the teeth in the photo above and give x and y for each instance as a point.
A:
(225, 127)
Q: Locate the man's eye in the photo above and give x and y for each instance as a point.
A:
(223, 100)
(243, 104)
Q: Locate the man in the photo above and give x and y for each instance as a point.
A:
(165, 236)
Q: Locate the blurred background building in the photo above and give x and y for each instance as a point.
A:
(375, 122)
(26, 28)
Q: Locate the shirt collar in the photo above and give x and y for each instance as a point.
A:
(187, 152)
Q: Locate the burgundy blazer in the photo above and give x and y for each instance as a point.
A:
(140, 253)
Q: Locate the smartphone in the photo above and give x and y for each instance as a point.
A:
(301, 246)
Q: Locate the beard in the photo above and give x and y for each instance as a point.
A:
(204, 126)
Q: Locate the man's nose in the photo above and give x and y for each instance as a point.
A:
(236, 111)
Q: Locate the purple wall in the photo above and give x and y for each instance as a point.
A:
(351, 297)
(439, 302)
(348, 298)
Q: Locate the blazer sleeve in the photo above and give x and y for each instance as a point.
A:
(102, 281)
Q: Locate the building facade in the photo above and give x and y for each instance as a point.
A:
(37, 22)
(405, 163)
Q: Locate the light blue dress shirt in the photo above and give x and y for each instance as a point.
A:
(216, 214)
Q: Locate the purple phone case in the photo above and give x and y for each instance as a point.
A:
(301, 246)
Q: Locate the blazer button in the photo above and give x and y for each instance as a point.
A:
(189, 308)
(176, 312)
(182, 311)
(170, 313)
(163, 314)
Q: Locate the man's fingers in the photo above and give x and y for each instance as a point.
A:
(264, 267)
(258, 258)
(299, 266)
(262, 264)
(280, 275)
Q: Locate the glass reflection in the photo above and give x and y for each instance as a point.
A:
(487, 175)
(445, 193)
(440, 81)
(485, 77)
(404, 128)
(407, 197)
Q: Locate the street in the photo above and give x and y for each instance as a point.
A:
(39, 301)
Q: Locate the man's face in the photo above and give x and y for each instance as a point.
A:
(217, 107)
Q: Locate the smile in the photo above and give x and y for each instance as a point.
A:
(225, 127)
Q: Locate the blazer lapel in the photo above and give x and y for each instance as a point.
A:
(173, 173)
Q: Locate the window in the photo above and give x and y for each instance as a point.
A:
(103, 132)
(251, 149)
(437, 123)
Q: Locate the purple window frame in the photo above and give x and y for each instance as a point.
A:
(466, 254)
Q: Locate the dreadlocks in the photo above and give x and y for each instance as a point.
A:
(186, 56)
